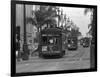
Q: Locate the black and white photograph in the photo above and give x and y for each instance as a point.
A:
(54, 38)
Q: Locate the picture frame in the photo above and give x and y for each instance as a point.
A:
(93, 46)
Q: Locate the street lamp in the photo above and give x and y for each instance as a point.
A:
(25, 46)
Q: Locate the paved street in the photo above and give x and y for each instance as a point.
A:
(78, 59)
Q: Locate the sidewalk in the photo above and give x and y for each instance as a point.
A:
(31, 59)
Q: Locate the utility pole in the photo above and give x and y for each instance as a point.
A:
(65, 19)
(93, 42)
(25, 46)
(62, 17)
(58, 15)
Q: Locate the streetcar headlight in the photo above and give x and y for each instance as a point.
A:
(69, 45)
(44, 48)
(83, 43)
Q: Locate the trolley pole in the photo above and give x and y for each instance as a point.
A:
(25, 46)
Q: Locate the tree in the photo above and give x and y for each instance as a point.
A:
(92, 31)
(43, 16)
(93, 20)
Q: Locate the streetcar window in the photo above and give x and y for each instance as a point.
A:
(86, 40)
(72, 40)
(69, 41)
(52, 40)
(44, 40)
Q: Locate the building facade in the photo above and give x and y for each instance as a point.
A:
(30, 28)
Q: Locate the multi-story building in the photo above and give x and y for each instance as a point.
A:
(30, 28)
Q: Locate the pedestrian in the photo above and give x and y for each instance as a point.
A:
(18, 54)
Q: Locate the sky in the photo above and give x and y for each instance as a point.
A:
(78, 17)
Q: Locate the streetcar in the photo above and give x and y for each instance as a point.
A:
(86, 42)
(81, 42)
(51, 43)
(72, 43)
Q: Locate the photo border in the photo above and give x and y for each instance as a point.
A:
(13, 22)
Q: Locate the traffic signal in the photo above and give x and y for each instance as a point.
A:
(18, 33)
